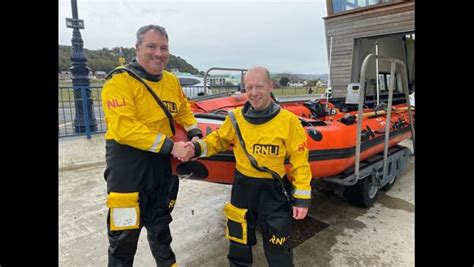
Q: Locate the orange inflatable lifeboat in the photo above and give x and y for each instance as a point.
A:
(331, 135)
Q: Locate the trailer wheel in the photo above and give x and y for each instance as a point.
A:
(198, 170)
(389, 184)
(363, 193)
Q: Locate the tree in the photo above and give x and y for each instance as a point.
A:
(284, 81)
(107, 59)
(313, 82)
(275, 84)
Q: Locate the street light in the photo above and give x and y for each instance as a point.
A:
(121, 57)
(84, 120)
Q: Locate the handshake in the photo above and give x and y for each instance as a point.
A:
(183, 151)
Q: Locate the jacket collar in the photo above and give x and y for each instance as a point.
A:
(142, 72)
(259, 117)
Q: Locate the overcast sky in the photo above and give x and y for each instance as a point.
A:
(283, 35)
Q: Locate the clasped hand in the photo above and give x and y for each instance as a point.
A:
(183, 151)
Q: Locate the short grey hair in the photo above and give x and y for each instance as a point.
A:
(269, 79)
(265, 70)
(146, 28)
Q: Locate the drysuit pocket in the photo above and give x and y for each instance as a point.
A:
(236, 224)
(124, 211)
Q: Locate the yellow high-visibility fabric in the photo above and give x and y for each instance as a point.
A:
(238, 216)
(269, 143)
(134, 117)
(119, 201)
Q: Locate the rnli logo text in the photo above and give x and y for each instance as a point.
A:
(171, 204)
(116, 103)
(277, 240)
(271, 150)
(171, 106)
(302, 146)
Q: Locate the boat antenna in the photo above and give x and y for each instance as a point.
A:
(329, 89)
(377, 71)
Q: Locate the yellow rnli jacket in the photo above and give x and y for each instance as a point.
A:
(133, 116)
(282, 137)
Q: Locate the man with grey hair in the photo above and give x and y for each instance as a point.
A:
(141, 101)
(264, 136)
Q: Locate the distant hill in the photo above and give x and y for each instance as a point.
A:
(107, 59)
(323, 76)
(296, 77)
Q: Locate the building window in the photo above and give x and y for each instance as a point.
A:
(345, 5)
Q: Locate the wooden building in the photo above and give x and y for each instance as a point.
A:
(356, 26)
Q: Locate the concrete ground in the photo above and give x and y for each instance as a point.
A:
(382, 235)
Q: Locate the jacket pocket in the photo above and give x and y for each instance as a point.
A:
(236, 229)
(124, 211)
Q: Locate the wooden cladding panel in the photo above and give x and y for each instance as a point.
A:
(367, 23)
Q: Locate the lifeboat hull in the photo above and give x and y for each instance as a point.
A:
(331, 142)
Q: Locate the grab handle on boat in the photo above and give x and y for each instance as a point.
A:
(360, 113)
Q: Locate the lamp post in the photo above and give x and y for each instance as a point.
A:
(84, 120)
(121, 57)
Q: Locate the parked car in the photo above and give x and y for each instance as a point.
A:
(193, 86)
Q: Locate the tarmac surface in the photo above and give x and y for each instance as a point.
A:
(382, 235)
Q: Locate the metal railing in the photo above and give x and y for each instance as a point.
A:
(391, 86)
(67, 107)
(67, 111)
(242, 72)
